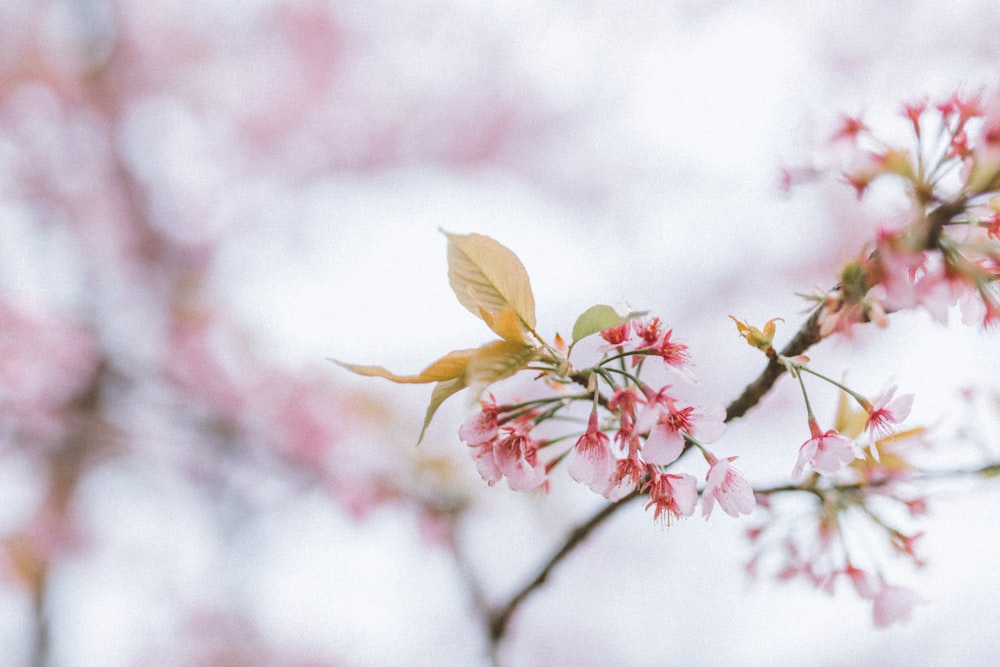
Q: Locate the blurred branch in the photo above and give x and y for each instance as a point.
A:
(40, 640)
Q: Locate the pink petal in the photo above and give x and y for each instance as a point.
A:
(806, 454)
(663, 446)
(710, 424)
(685, 493)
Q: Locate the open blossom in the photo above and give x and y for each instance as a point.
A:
(665, 443)
(727, 486)
(648, 331)
(892, 604)
(516, 456)
(509, 453)
(481, 427)
(885, 415)
(673, 496)
(630, 473)
(486, 465)
(676, 357)
(616, 336)
(825, 452)
(590, 461)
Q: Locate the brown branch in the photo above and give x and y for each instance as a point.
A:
(500, 618)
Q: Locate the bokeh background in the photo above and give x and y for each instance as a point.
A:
(201, 201)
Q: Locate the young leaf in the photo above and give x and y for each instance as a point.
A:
(496, 361)
(598, 318)
(448, 367)
(506, 324)
(442, 391)
(487, 275)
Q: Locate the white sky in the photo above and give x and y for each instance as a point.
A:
(656, 186)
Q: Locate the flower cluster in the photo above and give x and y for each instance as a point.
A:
(834, 542)
(947, 251)
(634, 432)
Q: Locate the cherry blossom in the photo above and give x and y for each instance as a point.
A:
(727, 486)
(885, 415)
(665, 443)
(676, 357)
(630, 472)
(893, 604)
(673, 496)
(516, 456)
(590, 461)
(482, 454)
(648, 331)
(616, 336)
(482, 426)
(825, 452)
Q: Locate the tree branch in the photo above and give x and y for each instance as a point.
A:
(500, 618)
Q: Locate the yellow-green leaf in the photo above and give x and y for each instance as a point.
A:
(507, 324)
(598, 318)
(448, 367)
(496, 361)
(442, 391)
(485, 274)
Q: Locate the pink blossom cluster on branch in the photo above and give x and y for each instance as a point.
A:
(624, 436)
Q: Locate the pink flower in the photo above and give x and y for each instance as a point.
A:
(516, 456)
(665, 443)
(892, 604)
(676, 357)
(482, 454)
(481, 427)
(590, 461)
(673, 496)
(885, 415)
(616, 336)
(897, 268)
(826, 452)
(629, 474)
(649, 331)
(726, 485)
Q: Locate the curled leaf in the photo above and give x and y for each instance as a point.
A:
(448, 367)
(486, 275)
(476, 369)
